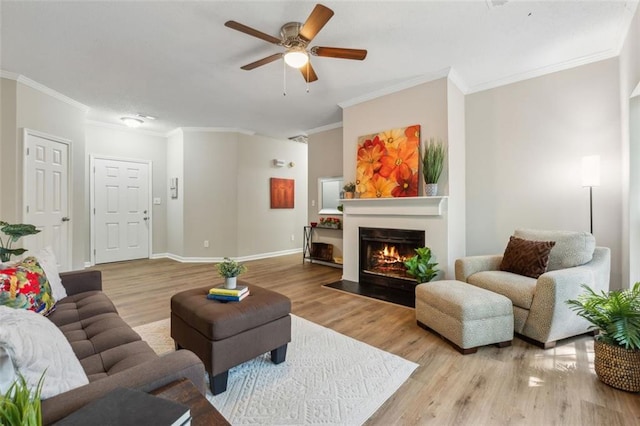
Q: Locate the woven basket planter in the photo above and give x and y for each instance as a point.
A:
(617, 366)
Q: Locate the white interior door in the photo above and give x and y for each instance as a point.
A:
(121, 210)
(46, 195)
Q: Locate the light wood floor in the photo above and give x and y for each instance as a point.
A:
(519, 385)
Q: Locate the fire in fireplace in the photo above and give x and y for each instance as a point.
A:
(388, 261)
(383, 253)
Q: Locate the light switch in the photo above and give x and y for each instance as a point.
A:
(156, 201)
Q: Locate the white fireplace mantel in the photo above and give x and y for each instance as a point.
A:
(404, 206)
(429, 214)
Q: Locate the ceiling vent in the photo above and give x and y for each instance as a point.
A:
(300, 138)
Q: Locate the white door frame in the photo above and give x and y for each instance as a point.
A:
(92, 197)
(25, 133)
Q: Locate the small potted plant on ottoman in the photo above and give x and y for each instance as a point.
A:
(230, 269)
(616, 315)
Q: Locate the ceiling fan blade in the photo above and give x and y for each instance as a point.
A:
(308, 73)
(252, 32)
(262, 62)
(318, 18)
(338, 52)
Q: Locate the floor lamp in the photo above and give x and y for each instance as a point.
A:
(591, 178)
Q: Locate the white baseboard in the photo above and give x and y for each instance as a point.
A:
(183, 259)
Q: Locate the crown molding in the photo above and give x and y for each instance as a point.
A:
(176, 131)
(455, 78)
(538, 72)
(324, 128)
(183, 130)
(44, 89)
(9, 75)
(218, 130)
(123, 128)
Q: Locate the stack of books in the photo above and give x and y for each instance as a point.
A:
(228, 295)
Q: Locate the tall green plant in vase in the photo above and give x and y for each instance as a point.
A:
(616, 316)
(432, 164)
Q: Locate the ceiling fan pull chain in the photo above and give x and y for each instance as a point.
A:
(284, 78)
(307, 79)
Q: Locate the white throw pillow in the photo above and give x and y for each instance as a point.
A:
(34, 345)
(47, 260)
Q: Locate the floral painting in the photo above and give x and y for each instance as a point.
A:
(387, 164)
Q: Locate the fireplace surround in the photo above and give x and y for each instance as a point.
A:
(444, 234)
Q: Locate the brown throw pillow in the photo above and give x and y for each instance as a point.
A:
(528, 258)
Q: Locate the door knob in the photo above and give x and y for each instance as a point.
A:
(66, 219)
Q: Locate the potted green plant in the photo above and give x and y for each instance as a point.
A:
(432, 164)
(230, 269)
(616, 317)
(19, 406)
(349, 189)
(420, 266)
(13, 232)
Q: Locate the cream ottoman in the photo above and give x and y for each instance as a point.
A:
(465, 315)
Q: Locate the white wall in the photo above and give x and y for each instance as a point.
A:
(261, 229)
(45, 113)
(130, 144)
(630, 164)
(425, 104)
(225, 195)
(456, 173)
(210, 193)
(175, 207)
(8, 149)
(524, 145)
(438, 107)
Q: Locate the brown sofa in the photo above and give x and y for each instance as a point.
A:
(110, 352)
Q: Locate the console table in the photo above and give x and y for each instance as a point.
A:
(307, 246)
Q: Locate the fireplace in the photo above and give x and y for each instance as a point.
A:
(382, 255)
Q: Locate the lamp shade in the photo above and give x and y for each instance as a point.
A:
(591, 170)
(296, 58)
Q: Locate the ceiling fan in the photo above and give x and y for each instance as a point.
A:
(295, 38)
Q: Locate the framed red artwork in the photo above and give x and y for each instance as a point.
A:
(282, 193)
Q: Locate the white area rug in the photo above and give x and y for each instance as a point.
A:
(327, 379)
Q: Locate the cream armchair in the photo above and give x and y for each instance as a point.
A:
(539, 309)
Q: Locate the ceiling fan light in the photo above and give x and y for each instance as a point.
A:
(296, 58)
(132, 122)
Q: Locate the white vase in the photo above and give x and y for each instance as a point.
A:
(431, 189)
(230, 282)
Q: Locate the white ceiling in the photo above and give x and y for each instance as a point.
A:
(177, 60)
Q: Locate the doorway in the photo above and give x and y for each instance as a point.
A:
(120, 207)
(46, 194)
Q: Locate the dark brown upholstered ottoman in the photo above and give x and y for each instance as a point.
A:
(224, 335)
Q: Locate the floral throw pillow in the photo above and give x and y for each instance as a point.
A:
(25, 286)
